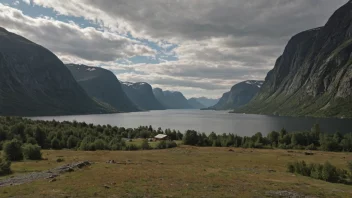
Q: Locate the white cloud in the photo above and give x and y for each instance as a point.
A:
(219, 42)
(27, 1)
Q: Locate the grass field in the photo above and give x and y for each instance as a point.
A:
(179, 172)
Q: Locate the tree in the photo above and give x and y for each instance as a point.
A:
(273, 137)
(191, 138)
(40, 136)
(99, 144)
(5, 166)
(145, 145)
(31, 152)
(55, 144)
(72, 142)
(13, 150)
(328, 172)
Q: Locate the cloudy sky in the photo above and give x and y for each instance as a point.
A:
(198, 47)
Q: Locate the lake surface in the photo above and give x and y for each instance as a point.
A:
(208, 121)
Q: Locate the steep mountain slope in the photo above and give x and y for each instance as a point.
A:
(171, 100)
(207, 102)
(102, 85)
(142, 95)
(34, 82)
(313, 77)
(239, 95)
(195, 104)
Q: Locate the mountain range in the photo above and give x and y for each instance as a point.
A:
(239, 95)
(313, 77)
(142, 95)
(34, 82)
(102, 85)
(172, 99)
(206, 102)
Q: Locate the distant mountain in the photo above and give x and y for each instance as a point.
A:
(102, 85)
(239, 95)
(34, 82)
(195, 104)
(171, 100)
(313, 77)
(207, 102)
(142, 95)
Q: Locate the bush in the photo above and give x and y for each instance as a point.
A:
(72, 142)
(55, 144)
(145, 145)
(329, 172)
(166, 144)
(31, 152)
(31, 140)
(99, 144)
(13, 150)
(5, 167)
(116, 144)
(131, 147)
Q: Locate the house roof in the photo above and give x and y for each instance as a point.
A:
(160, 136)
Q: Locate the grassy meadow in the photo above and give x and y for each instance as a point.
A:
(184, 171)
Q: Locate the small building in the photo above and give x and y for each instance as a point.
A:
(160, 137)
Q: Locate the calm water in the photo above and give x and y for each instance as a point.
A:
(208, 121)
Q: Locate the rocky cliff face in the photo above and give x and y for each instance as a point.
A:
(34, 82)
(313, 77)
(142, 95)
(239, 95)
(102, 85)
(171, 99)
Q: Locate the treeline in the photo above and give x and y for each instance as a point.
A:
(76, 135)
(309, 140)
(326, 172)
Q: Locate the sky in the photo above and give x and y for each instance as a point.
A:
(198, 47)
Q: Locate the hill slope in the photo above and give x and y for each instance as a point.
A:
(171, 100)
(102, 85)
(207, 102)
(142, 95)
(313, 77)
(34, 82)
(239, 95)
(195, 104)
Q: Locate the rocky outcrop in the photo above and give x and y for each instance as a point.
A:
(171, 99)
(313, 77)
(102, 85)
(34, 82)
(239, 95)
(141, 94)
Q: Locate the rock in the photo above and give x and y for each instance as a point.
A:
(111, 162)
(239, 95)
(313, 75)
(271, 171)
(231, 150)
(106, 186)
(32, 80)
(53, 180)
(142, 95)
(103, 85)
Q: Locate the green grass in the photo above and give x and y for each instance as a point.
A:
(180, 172)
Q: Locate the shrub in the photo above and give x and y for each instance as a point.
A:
(58, 160)
(329, 172)
(311, 147)
(13, 150)
(116, 144)
(99, 144)
(31, 140)
(316, 171)
(72, 142)
(31, 152)
(131, 147)
(5, 166)
(55, 144)
(166, 144)
(145, 145)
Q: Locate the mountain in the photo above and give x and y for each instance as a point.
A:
(207, 102)
(313, 77)
(102, 85)
(195, 104)
(142, 95)
(34, 82)
(239, 95)
(171, 99)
